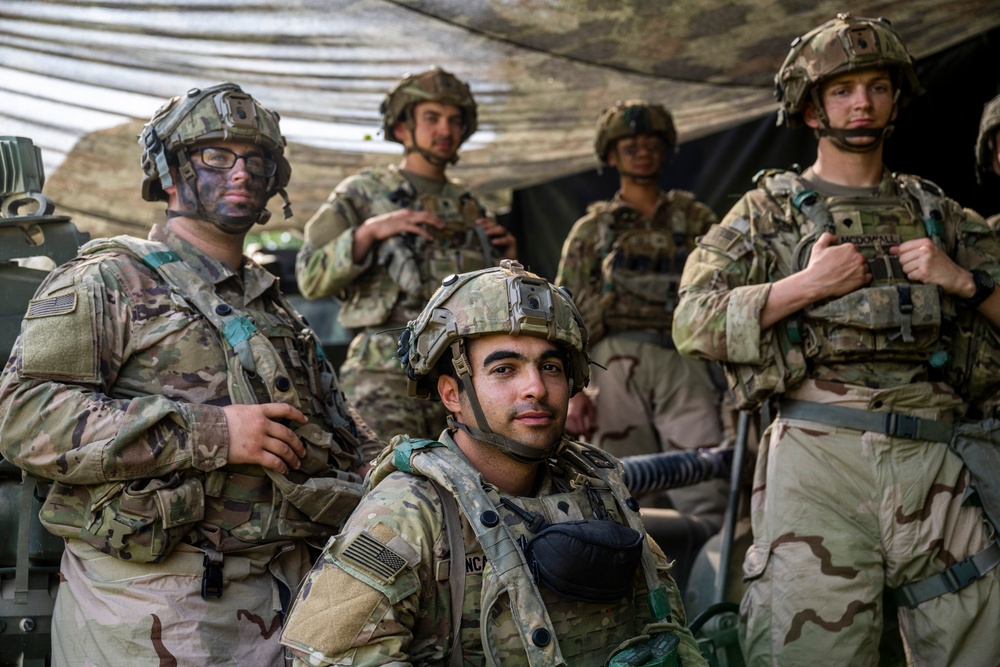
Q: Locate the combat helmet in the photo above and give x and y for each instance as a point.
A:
(986, 142)
(433, 85)
(845, 44)
(222, 113)
(499, 300)
(632, 117)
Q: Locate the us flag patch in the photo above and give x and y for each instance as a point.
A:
(53, 305)
(373, 558)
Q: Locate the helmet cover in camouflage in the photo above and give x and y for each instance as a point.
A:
(500, 300)
(631, 118)
(220, 113)
(986, 143)
(434, 85)
(845, 44)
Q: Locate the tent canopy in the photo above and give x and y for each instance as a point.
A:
(80, 78)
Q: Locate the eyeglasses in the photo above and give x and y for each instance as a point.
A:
(223, 159)
(632, 147)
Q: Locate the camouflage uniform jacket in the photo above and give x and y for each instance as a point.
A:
(380, 594)
(115, 391)
(622, 269)
(399, 274)
(727, 280)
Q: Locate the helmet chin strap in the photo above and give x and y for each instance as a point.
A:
(435, 160)
(230, 224)
(507, 446)
(840, 136)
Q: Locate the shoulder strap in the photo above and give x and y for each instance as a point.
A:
(931, 201)
(790, 186)
(512, 575)
(254, 352)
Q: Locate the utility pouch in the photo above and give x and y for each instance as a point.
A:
(978, 445)
(605, 556)
(145, 519)
(315, 505)
(883, 307)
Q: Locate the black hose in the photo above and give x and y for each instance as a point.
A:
(672, 470)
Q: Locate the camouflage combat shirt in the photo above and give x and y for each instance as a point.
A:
(380, 593)
(619, 284)
(118, 380)
(369, 294)
(727, 280)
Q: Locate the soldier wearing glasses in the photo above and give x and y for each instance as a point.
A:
(194, 434)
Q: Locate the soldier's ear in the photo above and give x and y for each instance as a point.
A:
(448, 391)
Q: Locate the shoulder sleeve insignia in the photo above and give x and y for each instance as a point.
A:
(373, 558)
(721, 237)
(52, 306)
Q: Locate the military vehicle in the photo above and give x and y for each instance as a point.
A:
(33, 241)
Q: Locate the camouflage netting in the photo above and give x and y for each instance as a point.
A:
(79, 79)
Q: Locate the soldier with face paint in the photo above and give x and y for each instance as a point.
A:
(194, 434)
(502, 542)
(387, 236)
(835, 294)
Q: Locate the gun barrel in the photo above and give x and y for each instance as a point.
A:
(672, 470)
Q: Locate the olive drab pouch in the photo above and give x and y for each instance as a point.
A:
(904, 319)
(640, 275)
(606, 556)
(140, 521)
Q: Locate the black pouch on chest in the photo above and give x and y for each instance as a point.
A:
(589, 561)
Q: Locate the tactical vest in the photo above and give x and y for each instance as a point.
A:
(410, 268)
(891, 318)
(143, 520)
(641, 262)
(549, 630)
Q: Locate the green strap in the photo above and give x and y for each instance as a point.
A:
(404, 451)
(894, 424)
(157, 259)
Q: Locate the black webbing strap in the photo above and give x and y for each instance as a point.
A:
(953, 579)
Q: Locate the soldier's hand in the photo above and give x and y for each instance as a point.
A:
(581, 419)
(499, 237)
(924, 262)
(257, 436)
(835, 269)
(384, 226)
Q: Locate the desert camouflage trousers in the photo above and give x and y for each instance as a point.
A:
(111, 612)
(651, 399)
(839, 515)
(375, 384)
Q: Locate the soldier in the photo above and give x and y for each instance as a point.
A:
(458, 554)
(988, 148)
(386, 238)
(622, 262)
(194, 434)
(834, 293)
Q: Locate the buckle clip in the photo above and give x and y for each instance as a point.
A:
(961, 574)
(211, 581)
(901, 426)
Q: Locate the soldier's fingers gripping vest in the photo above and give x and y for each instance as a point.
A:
(417, 265)
(892, 317)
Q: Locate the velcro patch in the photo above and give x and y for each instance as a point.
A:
(62, 304)
(721, 237)
(373, 558)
